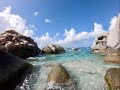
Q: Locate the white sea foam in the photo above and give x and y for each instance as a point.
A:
(70, 85)
(36, 58)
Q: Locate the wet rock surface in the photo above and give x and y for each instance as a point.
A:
(12, 69)
(59, 79)
(112, 78)
(100, 43)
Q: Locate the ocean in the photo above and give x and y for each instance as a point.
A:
(85, 67)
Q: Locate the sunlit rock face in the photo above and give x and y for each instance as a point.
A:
(53, 49)
(112, 77)
(99, 44)
(17, 44)
(12, 69)
(113, 39)
(59, 79)
(113, 43)
(109, 43)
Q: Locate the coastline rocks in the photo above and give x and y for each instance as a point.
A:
(113, 56)
(76, 49)
(113, 39)
(19, 45)
(109, 43)
(112, 77)
(59, 79)
(12, 69)
(99, 44)
(53, 49)
(113, 43)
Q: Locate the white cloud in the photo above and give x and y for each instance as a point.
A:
(36, 13)
(98, 29)
(44, 40)
(71, 36)
(57, 34)
(9, 20)
(112, 23)
(47, 20)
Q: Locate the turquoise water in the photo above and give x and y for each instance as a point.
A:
(87, 69)
(70, 55)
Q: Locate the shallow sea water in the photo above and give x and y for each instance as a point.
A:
(86, 68)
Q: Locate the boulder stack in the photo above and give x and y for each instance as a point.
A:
(109, 43)
(53, 49)
(17, 44)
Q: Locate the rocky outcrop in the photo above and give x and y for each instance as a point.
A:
(100, 43)
(11, 70)
(17, 44)
(112, 58)
(53, 49)
(59, 79)
(109, 44)
(113, 39)
(112, 78)
(113, 43)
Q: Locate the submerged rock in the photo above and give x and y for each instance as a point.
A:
(18, 44)
(53, 49)
(58, 74)
(12, 69)
(76, 49)
(113, 56)
(112, 77)
(59, 79)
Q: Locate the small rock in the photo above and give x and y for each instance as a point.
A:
(59, 79)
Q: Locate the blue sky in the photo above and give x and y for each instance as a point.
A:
(64, 14)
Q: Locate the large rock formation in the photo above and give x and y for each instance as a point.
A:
(113, 43)
(112, 77)
(18, 44)
(59, 79)
(11, 70)
(100, 43)
(109, 43)
(113, 39)
(53, 49)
